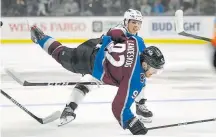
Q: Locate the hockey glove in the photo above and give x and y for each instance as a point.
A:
(117, 36)
(119, 39)
(136, 127)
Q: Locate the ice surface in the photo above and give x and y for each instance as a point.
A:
(185, 91)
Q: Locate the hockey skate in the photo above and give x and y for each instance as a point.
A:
(67, 115)
(143, 113)
(36, 34)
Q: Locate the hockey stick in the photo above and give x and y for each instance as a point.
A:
(23, 82)
(182, 124)
(26, 83)
(179, 25)
(45, 120)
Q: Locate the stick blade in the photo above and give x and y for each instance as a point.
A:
(179, 21)
(54, 116)
(16, 76)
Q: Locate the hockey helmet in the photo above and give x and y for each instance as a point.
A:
(132, 14)
(154, 59)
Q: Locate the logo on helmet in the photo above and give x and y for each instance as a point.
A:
(132, 16)
(150, 52)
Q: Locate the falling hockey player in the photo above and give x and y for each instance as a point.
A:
(121, 60)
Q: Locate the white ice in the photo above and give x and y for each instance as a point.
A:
(185, 91)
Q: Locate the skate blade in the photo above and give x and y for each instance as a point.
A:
(145, 120)
(54, 116)
(62, 124)
(65, 122)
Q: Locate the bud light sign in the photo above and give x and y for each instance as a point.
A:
(167, 27)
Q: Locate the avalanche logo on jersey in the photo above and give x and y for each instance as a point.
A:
(142, 77)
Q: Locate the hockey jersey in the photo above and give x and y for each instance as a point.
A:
(119, 65)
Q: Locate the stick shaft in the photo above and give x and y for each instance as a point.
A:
(194, 36)
(22, 107)
(182, 124)
(26, 83)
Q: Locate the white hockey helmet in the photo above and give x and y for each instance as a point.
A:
(132, 14)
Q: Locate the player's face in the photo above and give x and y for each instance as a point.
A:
(148, 74)
(134, 26)
(149, 71)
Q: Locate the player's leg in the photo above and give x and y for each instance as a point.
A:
(141, 109)
(77, 60)
(77, 95)
(84, 60)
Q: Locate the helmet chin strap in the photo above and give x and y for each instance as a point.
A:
(126, 21)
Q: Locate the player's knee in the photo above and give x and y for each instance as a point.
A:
(66, 57)
(82, 88)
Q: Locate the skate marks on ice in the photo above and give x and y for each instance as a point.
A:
(187, 79)
(100, 122)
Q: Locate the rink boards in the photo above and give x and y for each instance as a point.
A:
(77, 29)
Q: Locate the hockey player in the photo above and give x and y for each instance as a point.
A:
(122, 55)
(130, 26)
(124, 65)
